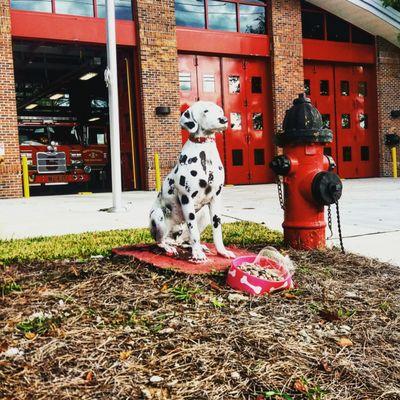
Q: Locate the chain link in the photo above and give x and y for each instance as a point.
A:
(330, 222)
(280, 192)
(339, 227)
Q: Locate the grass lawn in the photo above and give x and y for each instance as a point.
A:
(72, 327)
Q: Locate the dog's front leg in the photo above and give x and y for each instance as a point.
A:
(215, 216)
(189, 215)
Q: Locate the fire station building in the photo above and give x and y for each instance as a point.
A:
(252, 57)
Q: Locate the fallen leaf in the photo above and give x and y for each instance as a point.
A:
(89, 376)
(344, 342)
(30, 335)
(164, 288)
(124, 355)
(300, 386)
(289, 296)
(215, 285)
(325, 366)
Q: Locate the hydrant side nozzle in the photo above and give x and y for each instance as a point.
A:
(281, 165)
(326, 188)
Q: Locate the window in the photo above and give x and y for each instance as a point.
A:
(346, 121)
(236, 121)
(259, 158)
(324, 88)
(222, 15)
(344, 88)
(313, 25)
(185, 82)
(362, 89)
(346, 153)
(208, 83)
(337, 29)
(190, 13)
(258, 124)
(326, 121)
(247, 16)
(307, 87)
(364, 153)
(234, 84)
(29, 5)
(74, 7)
(252, 19)
(360, 36)
(256, 84)
(237, 158)
(363, 119)
(123, 9)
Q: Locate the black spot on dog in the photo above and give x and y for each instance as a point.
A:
(171, 191)
(153, 223)
(175, 235)
(216, 220)
(202, 183)
(191, 216)
(176, 170)
(219, 190)
(208, 190)
(194, 194)
(183, 159)
(220, 168)
(193, 173)
(190, 124)
(211, 178)
(171, 182)
(169, 207)
(203, 160)
(184, 199)
(190, 225)
(192, 160)
(187, 114)
(182, 181)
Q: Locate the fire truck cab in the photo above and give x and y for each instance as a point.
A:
(53, 148)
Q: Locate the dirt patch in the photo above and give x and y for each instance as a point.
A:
(114, 329)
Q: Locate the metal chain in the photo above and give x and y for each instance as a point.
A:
(280, 192)
(330, 222)
(339, 226)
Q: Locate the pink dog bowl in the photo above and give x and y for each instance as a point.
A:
(240, 280)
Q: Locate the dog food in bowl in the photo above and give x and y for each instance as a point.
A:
(258, 275)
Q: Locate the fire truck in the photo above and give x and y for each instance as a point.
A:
(54, 150)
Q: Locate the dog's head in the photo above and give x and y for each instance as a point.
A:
(204, 118)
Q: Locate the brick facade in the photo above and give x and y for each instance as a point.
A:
(159, 84)
(388, 84)
(286, 56)
(10, 175)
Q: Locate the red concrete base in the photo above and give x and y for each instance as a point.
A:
(152, 254)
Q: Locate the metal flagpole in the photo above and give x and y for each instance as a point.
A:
(110, 76)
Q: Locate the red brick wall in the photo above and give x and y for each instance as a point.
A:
(388, 85)
(159, 84)
(286, 55)
(10, 176)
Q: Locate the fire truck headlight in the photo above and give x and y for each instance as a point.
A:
(87, 169)
(76, 155)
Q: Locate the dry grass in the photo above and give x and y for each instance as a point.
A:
(115, 324)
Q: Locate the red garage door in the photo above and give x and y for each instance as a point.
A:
(241, 88)
(346, 97)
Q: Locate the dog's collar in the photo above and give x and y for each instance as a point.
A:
(201, 139)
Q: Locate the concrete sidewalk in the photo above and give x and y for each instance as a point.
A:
(370, 213)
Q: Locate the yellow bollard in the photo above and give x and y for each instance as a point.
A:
(25, 177)
(158, 174)
(394, 159)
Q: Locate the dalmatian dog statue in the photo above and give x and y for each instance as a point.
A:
(179, 214)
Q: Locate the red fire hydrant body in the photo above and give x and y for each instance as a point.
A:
(308, 183)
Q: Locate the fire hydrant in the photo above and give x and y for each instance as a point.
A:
(309, 183)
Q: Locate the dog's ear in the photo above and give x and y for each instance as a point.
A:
(188, 122)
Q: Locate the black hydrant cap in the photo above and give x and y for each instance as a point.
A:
(303, 124)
